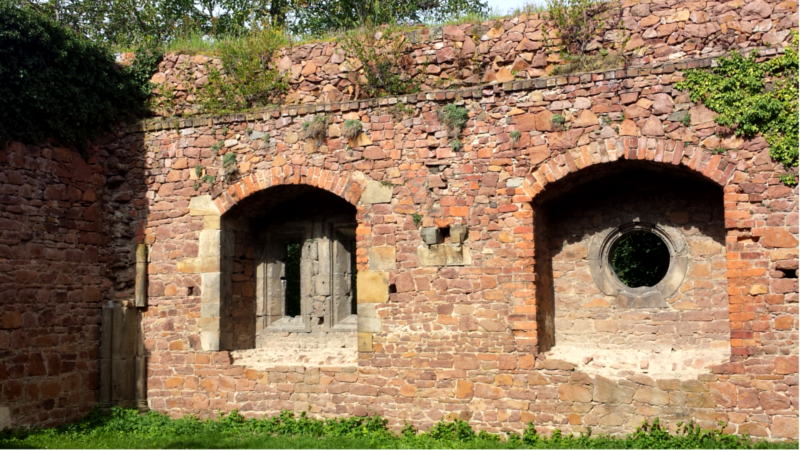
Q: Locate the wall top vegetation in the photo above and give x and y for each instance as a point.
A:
(639, 33)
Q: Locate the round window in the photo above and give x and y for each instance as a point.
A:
(640, 263)
(640, 259)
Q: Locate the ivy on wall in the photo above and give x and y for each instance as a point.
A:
(754, 97)
(58, 84)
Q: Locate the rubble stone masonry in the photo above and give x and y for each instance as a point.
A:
(503, 325)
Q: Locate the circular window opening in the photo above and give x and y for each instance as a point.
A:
(640, 259)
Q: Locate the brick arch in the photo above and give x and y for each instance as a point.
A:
(347, 185)
(715, 168)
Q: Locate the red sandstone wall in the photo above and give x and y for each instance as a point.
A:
(468, 55)
(52, 280)
(455, 341)
(461, 341)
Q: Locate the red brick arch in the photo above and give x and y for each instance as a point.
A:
(347, 185)
(716, 168)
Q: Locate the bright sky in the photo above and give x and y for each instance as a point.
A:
(506, 5)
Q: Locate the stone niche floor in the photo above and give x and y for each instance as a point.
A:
(300, 349)
(655, 361)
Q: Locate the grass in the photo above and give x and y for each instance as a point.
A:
(128, 429)
(590, 63)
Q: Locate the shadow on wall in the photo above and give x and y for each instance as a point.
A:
(583, 303)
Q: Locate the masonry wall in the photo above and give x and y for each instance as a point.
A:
(463, 337)
(463, 340)
(52, 282)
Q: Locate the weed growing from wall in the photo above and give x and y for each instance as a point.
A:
(352, 128)
(229, 166)
(575, 22)
(381, 58)
(316, 128)
(754, 97)
(454, 118)
(248, 78)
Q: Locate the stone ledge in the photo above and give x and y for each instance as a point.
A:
(161, 124)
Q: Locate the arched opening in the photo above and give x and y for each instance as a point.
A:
(630, 269)
(292, 271)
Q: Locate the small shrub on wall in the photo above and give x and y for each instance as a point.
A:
(57, 84)
(248, 79)
(379, 55)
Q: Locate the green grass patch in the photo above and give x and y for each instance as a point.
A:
(124, 428)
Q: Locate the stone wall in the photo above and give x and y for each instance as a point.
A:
(52, 282)
(463, 340)
(645, 31)
(463, 337)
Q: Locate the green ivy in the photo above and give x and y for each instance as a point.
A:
(753, 97)
(58, 84)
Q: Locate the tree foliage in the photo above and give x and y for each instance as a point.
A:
(753, 97)
(58, 84)
(320, 16)
(640, 259)
(130, 23)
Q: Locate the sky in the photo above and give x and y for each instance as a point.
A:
(506, 5)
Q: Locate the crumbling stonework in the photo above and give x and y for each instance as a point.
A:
(454, 56)
(480, 339)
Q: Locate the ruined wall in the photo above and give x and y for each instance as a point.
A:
(52, 281)
(646, 32)
(433, 340)
(462, 340)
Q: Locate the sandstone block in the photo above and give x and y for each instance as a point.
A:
(607, 391)
(554, 364)
(464, 389)
(784, 427)
(572, 393)
(382, 258)
(365, 342)
(483, 390)
(372, 286)
(778, 238)
(376, 192)
(651, 396)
